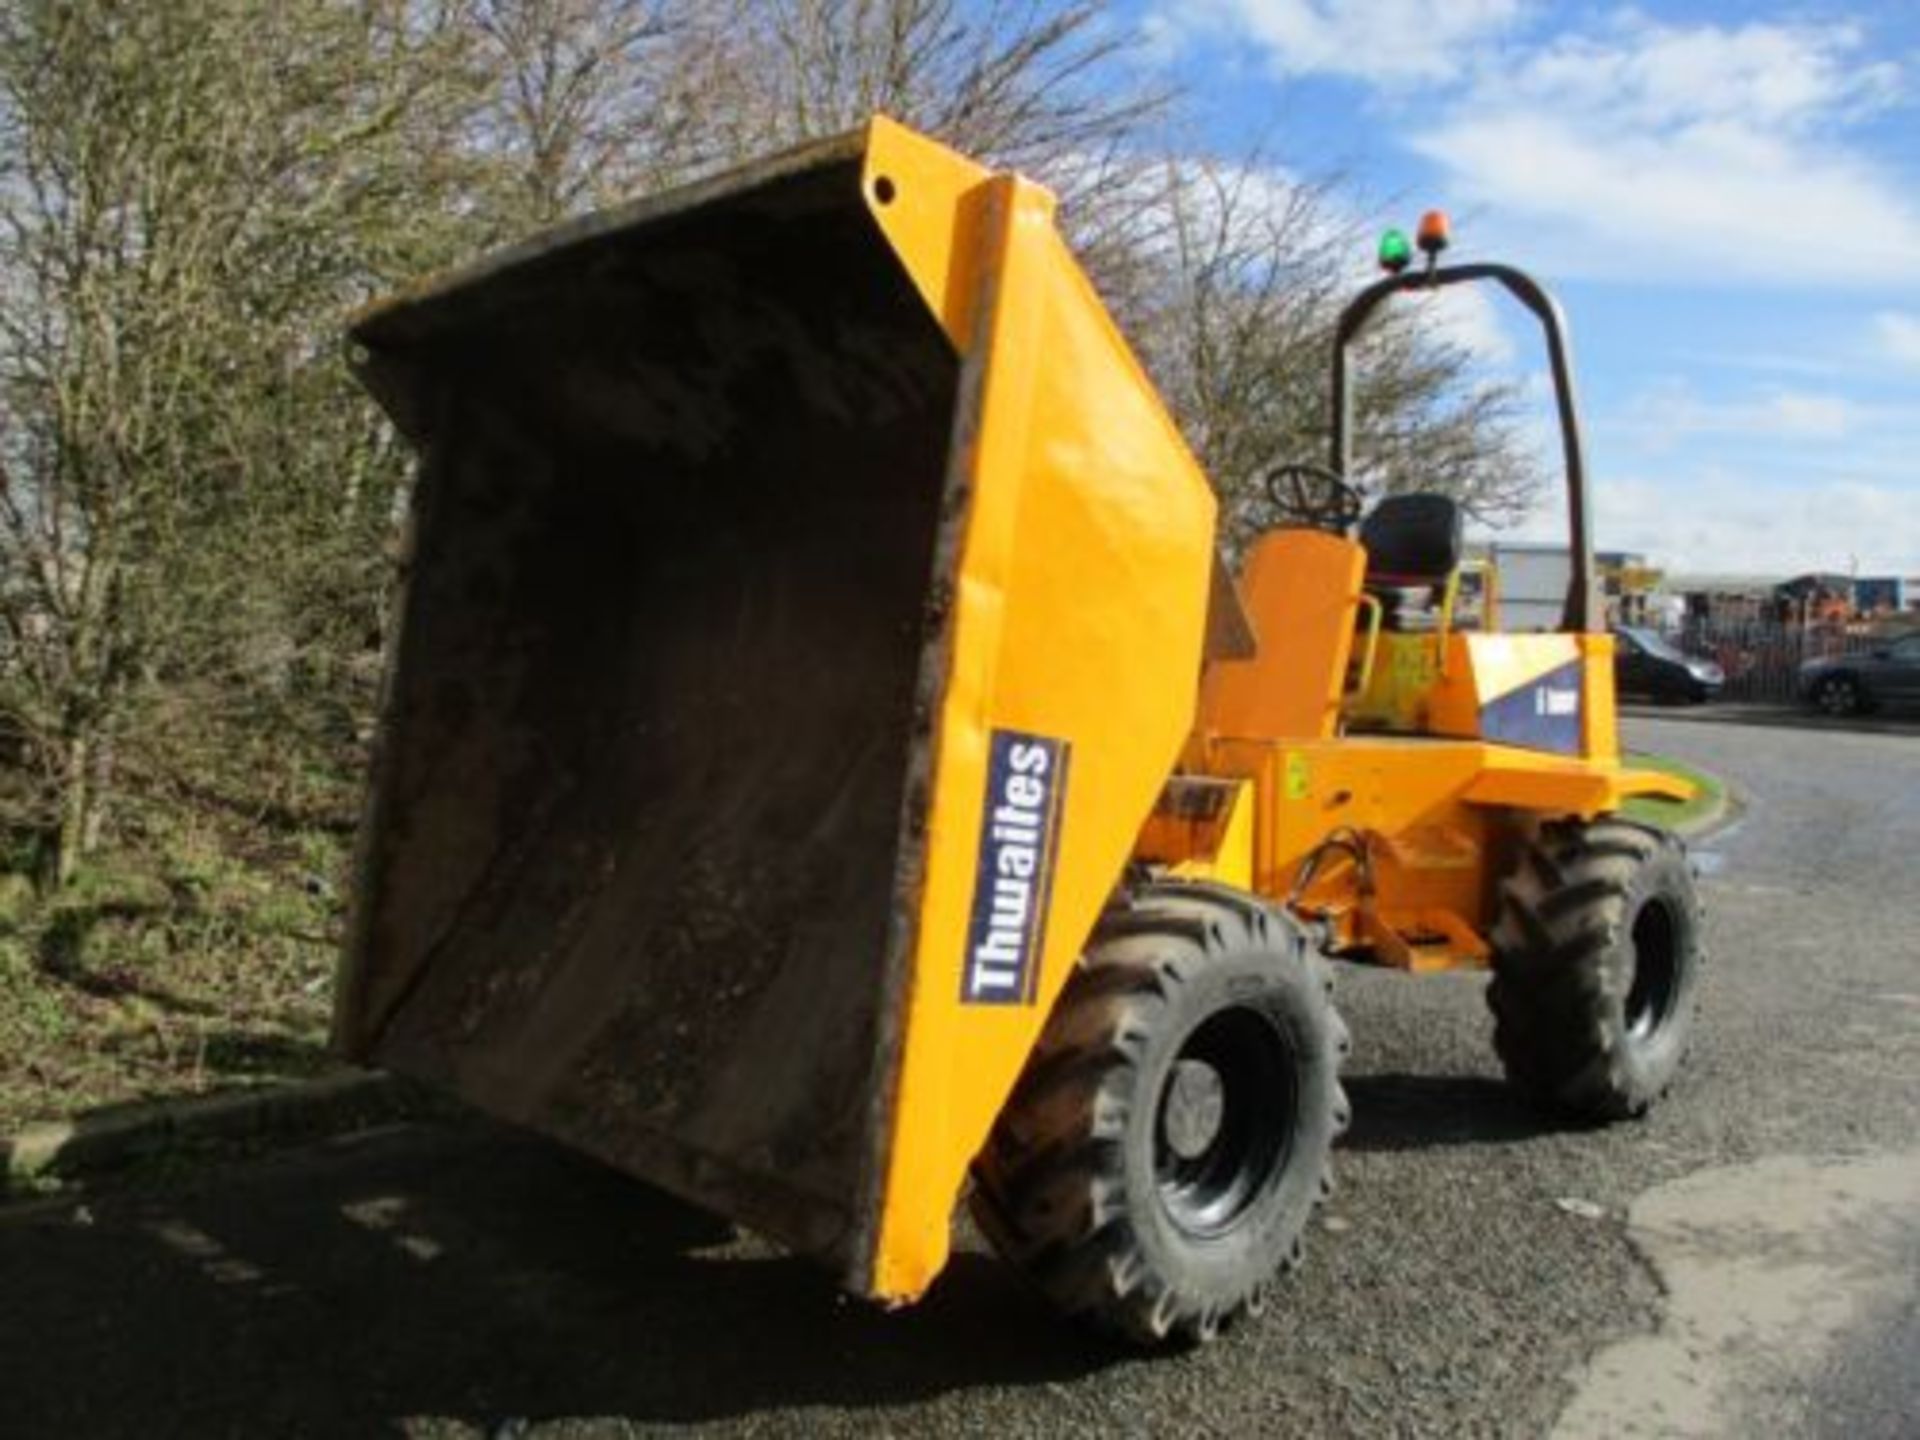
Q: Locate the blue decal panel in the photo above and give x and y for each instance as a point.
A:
(1013, 877)
(1543, 714)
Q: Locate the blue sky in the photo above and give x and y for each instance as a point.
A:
(1725, 196)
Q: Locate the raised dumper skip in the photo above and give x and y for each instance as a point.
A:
(792, 785)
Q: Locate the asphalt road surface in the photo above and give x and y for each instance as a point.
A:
(1743, 1262)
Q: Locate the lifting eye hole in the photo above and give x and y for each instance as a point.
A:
(883, 190)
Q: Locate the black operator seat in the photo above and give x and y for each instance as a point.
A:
(1413, 545)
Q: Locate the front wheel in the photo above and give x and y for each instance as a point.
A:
(1597, 960)
(1162, 1154)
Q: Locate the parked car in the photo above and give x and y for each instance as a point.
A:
(1889, 674)
(1648, 665)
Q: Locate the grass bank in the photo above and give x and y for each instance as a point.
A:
(194, 952)
(1710, 794)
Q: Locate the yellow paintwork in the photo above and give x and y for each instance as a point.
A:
(1423, 941)
(1215, 846)
(1429, 809)
(1299, 587)
(1426, 792)
(1079, 485)
(1599, 708)
(934, 217)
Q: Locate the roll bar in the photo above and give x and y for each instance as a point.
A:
(1578, 614)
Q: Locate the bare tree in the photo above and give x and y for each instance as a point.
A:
(1245, 286)
(189, 195)
(582, 107)
(197, 508)
(1236, 319)
(1427, 418)
(1045, 86)
(597, 98)
(1020, 81)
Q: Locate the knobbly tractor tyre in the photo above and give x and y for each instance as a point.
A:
(1165, 1148)
(1596, 970)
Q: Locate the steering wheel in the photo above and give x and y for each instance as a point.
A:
(1315, 497)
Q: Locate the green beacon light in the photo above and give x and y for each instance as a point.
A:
(1395, 253)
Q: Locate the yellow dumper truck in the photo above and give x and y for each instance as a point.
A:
(824, 768)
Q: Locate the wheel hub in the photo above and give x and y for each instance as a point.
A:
(1196, 1104)
(1227, 1110)
(1655, 984)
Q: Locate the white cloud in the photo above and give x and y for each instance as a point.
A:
(1468, 318)
(1709, 206)
(1631, 149)
(1709, 520)
(1796, 413)
(1899, 336)
(1697, 153)
(1774, 362)
(1714, 521)
(1680, 153)
(1651, 76)
(1671, 411)
(1775, 480)
(1385, 41)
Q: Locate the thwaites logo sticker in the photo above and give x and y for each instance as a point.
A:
(1013, 880)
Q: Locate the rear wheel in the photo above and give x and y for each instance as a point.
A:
(1597, 964)
(1162, 1154)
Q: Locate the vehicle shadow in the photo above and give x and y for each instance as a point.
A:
(461, 1274)
(1424, 1112)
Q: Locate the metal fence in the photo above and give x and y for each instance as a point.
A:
(1762, 658)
